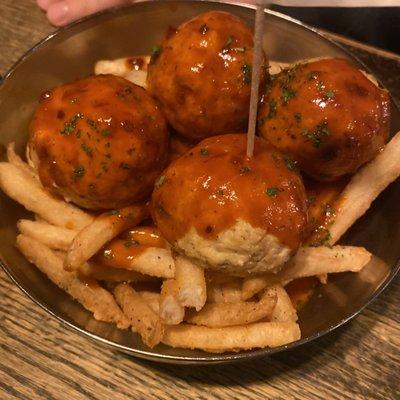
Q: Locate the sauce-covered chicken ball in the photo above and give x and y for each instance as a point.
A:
(327, 115)
(100, 142)
(201, 74)
(229, 212)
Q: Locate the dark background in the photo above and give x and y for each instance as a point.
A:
(379, 27)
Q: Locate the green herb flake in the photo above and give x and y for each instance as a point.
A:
(329, 210)
(204, 29)
(247, 73)
(108, 254)
(240, 49)
(124, 166)
(330, 94)
(272, 109)
(88, 150)
(114, 212)
(290, 163)
(320, 86)
(70, 125)
(92, 124)
(272, 191)
(79, 171)
(204, 152)
(106, 132)
(159, 182)
(228, 43)
(155, 53)
(287, 94)
(316, 137)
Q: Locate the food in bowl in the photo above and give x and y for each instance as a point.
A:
(211, 258)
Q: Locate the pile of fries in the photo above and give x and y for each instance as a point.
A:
(164, 297)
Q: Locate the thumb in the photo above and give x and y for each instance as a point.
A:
(66, 11)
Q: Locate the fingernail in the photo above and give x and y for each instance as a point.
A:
(58, 14)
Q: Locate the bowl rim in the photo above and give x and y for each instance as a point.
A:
(174, 359)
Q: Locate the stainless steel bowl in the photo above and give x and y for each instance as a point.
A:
(71, 53)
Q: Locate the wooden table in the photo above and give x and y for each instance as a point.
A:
(41, 359)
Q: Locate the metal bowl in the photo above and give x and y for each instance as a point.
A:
(71, 53)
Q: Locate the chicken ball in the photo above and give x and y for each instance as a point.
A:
(201, 74)
(99, 142)
(327, 115)
(228, 212)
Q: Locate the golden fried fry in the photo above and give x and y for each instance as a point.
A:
(140, 314)
(89, 293)
(27, 191)
(218, 315)
(191, 282)
(229, 292)
(55, 237)
(16, 160)
(284, 310)
(232, 338)
(104, 228)
(171, 310)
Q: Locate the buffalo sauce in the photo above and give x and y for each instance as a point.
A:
(120, 252)
(215, 184)
(301, 290)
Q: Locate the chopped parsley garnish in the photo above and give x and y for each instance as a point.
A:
(88, 150)
(272, 109)
(287, 94)
(203, 29)
(124, 166)
(92, 124)
(316, 136)
(325, 237)
(204, 152)
(290, 163)
(272, 191)
(70, 125)
(114, 212)
(320, 86)
(155, 53)
(330, 94)
(329, 210)
(108, 254)
(246, 69)
(79, 171)
(105, 132)
(160, 181)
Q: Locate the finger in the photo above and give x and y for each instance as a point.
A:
(45, 4)
(66, 11)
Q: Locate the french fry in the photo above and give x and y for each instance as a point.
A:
(171, 310)
(125, 68)
(141, 316)
(229, 292)
(284, 310)
(90, 294)
(310, 261)
(232, 338)
(102, 273)
(153, 261)
(16, 160)
(24, 189)
(52, 236)
(364, 187)
(152, 299)
(104, 228)
(218, 315)
(191, 282)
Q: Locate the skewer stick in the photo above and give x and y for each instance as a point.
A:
(256, 75)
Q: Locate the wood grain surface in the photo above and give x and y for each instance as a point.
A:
(42, 359)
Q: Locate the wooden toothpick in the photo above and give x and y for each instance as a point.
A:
(256, 75)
